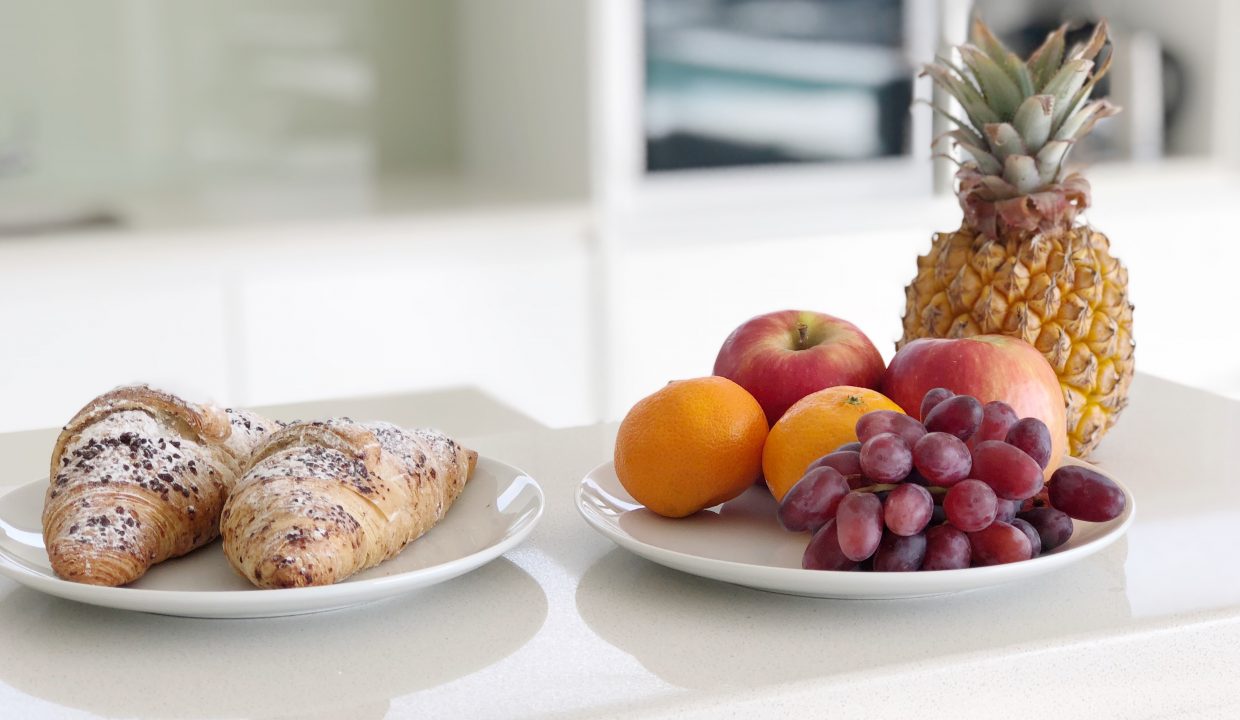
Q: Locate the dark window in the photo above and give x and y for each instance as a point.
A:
(759, 82)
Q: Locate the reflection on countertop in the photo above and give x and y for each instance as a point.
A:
(348, 663)
(769, 639)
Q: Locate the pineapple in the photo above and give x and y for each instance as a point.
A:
(1022, 263)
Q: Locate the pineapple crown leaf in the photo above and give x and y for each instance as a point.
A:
(1022, 118)
(1097, 41)
(1034, 118)
(999, 90)
(1082, 95)
(961, 125)
(1006, 59)
(1080, 123)
(969, 97)
(1049, 56)
(1004, 141)
(1064, 86)
(1021, 172)
(1050, 160)
(988, 163)
(947, 157)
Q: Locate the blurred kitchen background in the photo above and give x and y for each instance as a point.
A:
(559, 203)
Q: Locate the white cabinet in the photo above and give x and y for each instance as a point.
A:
(495, 301)
(524, 305)
(78, 316)
(499, 305)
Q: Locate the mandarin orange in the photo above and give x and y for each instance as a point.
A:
(691, 445)
(817, 424)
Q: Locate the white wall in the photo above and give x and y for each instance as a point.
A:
(523, 69)
(1227, 86)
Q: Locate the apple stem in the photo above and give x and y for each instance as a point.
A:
(802, 335)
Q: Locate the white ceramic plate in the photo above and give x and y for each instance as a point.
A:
(497, 510)
(741, 542)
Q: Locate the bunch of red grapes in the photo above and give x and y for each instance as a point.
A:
(955, 490)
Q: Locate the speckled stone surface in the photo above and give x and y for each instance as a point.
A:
(569, 625)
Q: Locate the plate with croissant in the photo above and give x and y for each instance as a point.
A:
(161, 505)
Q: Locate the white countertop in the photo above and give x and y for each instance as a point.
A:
(569, 625)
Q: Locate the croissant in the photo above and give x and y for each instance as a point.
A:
(139, 476)
(324, 500)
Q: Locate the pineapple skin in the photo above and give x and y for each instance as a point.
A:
(1060, 290)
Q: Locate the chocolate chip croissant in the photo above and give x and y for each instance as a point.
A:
(139, 476)
(324, 500)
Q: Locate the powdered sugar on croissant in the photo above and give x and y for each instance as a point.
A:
(139, 476)
(324, 500)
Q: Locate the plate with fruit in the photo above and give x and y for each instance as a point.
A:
(1016, 352)
(896, 506)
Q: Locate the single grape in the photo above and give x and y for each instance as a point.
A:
(942, 459)
(997, 419)
(1085, 494)
(970, 505)
(847, 462)
(960, 415)
(881, 421)
(854, 446)
(859, 523)
(947, 548)
(1035, 540)
(900, 553)
(1006, 468)
(907, 509)
(1006, 510)
(1032, 436)
(813, 500)
(823, 551)
(886, 458)
(932, 398)
(999, 543)
(1053, 526)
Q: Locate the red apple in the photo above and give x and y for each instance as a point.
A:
(988, 367)
(783, 356)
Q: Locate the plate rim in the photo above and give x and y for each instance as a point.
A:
(858, 581)
(267, 602)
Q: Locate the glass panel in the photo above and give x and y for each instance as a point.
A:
(759, 82)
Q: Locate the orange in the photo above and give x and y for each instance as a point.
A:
(693, 444)
(817, 424)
